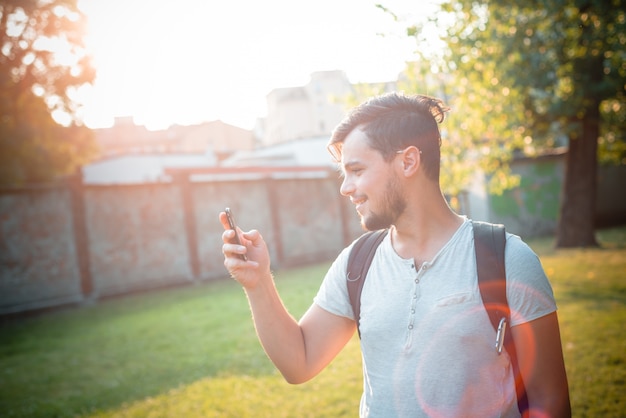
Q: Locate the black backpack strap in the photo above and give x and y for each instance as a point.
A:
(359, 262)
(489, 244)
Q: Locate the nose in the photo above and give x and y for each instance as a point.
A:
(347, 187)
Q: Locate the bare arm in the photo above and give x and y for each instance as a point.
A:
(299, 350)
(540, 358)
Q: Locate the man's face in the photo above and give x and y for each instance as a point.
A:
(371, 183)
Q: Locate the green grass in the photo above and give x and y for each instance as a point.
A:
(192, 352)
(590, 287)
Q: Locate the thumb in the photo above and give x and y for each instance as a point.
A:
(253, 236)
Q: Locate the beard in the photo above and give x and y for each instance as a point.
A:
(393, 205)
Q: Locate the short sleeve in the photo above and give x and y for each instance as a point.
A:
(529, 292)
(332, 295)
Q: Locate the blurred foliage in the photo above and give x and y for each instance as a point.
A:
(529, 77)
(612, 142)
(522, 77)
(458, 147)
(42, 64)
(562, 60)
(555, 70)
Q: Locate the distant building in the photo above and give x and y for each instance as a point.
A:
(127, 138)
(306, 111)
(132, 154)
(305, 152)
(142, 168)
(300, 121)
(294, 134)
(311, 110)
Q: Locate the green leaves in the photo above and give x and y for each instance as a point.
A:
(524, 77)
(42, 59)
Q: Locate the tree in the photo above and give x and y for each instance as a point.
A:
(555, 68)
(42, 63)
(536, 74)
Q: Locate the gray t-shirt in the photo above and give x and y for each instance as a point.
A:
(426, 339)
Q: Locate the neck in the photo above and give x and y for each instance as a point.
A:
(425, 227)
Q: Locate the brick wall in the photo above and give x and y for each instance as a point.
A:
(72, 243)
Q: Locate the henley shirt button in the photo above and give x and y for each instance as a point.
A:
(410, 326)
(417, 280)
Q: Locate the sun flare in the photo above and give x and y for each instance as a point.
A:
(191, 61)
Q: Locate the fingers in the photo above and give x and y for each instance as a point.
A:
(224, 220)
(230, 247)
(237, 255)
(250, 237)
(229, 235)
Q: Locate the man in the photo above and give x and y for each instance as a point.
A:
(426, 342)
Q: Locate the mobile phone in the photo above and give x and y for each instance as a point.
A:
(231, 225)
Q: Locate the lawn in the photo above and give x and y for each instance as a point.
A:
(192, 351)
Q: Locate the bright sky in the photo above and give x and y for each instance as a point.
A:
(189, 61)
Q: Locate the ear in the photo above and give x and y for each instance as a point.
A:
(409, 161)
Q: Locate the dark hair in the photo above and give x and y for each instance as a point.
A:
(393, 122)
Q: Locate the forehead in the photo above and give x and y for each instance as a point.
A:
(356, 146)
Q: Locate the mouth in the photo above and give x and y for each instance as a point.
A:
(358, 203)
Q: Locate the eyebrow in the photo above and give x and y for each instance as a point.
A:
(351, 164)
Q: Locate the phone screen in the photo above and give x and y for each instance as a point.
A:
(231, 224)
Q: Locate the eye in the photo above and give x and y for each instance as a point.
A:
(352, 169)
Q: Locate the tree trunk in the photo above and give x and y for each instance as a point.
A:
(576, 223)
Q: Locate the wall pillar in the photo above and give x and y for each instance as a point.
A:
(275, 211)
(81, 237)
(182, 180)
